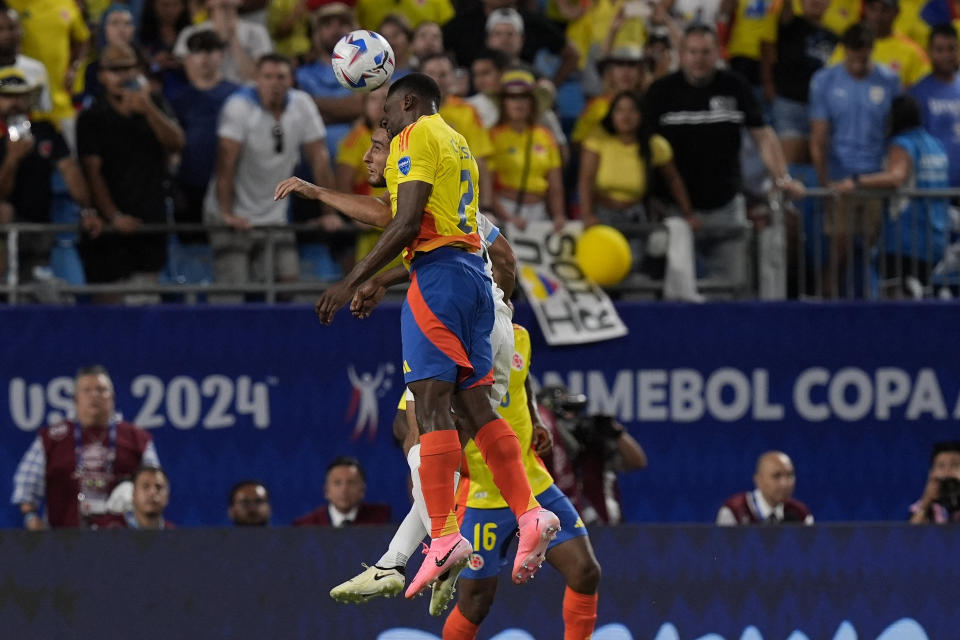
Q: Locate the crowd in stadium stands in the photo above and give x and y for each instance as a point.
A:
(610, 111)
(93, 471)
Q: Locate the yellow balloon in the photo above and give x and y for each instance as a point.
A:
(604, 255)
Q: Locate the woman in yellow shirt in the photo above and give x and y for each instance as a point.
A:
(526, 164)
(616, 167)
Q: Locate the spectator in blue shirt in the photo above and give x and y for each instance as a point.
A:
(915, 231)
(939, 95)
(197, 107)
(849, 103)
(338, 106)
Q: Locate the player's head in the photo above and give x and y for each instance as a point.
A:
(376, 157)
(249, 504)
(412, 96)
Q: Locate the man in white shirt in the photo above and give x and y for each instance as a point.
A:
(772, 501)
(261, 133)
(246, 41)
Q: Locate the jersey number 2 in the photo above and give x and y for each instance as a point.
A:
(465, 199)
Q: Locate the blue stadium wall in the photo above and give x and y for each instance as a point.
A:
(855, 393)
(831, 582)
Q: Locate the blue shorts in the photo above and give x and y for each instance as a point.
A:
(492, 530)
(447, 318)
(791, 119)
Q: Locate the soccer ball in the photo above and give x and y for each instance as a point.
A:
(363, 60)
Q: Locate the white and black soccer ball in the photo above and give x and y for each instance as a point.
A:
(363, 60)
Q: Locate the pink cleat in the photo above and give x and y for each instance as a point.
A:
(445, 553)
(538, 527)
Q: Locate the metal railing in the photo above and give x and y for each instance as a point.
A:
(792, 256)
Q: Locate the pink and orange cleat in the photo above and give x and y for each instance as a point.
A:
(449, 552)
(538, 527)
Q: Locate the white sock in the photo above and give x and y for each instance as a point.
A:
(416, 525)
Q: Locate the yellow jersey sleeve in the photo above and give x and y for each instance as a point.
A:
(660, 150)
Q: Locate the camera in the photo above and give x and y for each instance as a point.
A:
(594, 433)
(18, 128)
(949, 496)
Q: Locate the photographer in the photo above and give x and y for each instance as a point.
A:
(940, 502)
(588, 453)
(29, 154)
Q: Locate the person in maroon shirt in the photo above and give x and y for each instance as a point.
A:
(345, 489)
(73, 465)
(151, 495)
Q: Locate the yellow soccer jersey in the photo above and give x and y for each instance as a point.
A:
(430, 151)
(482, 493)
(590, 118)
(48, 27)
(897, 52)
(370, 13)
(755, 22)
(463, 117)
(350, 152)
(509, 151)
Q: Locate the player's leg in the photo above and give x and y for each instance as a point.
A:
(473, 605)
(500, 447)
(575, 560)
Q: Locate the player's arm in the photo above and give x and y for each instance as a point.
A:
(366, 209)
(371, 292)
(504, 265)
(542, 438)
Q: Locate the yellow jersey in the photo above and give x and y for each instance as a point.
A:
(899, 53)
(370, 13)
(621, 174)
(508, 159)
(430, 151)
(479, 488)
(755, 22)
(463, 117)
(591, 117)
(297, 41)
(910, 24)
(48, 27)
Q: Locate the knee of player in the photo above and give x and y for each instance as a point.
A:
(476, 605)
(585, 577)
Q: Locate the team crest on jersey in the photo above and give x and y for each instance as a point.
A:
(517, 362)
(403, 165)
(476, 561)
(877, 94)
(59, 430)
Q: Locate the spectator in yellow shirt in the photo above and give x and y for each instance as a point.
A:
(751, 23)
(288, 22)
(55, 34)
(371, 13)
(622, 70)
(894, 50)
(526, 165)
(617, 164)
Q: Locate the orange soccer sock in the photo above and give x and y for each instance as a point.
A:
(439, 460)
(500, 447)
(459, 628)
(579, 615)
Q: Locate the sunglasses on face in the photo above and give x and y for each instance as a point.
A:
(277, 138)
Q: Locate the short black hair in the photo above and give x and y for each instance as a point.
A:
(420, 85)
(858, 37)
(92, 370)
(699, 29)
(947, 446)
(904, 114)
(499, 58)
(945, 29)
(443, 55)
(346, 461)
(274, 58)
(241, 485)
(205, 40)
(149, 468)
